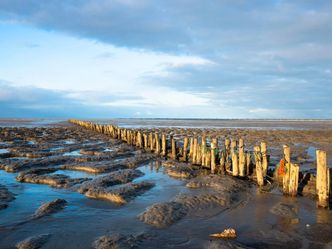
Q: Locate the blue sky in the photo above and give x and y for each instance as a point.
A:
(148, 58)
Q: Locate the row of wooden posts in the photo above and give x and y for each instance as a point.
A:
(232, 159)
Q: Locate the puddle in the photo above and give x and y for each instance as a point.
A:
(3, 151)
(56, 149)
(76, 174)
(28, 198)
(311, 151)
(69, 141)
(73, 153)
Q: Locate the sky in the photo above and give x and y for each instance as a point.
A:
(166, 59)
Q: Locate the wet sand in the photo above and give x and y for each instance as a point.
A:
(95, 192)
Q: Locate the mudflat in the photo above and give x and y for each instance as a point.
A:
(62, 186)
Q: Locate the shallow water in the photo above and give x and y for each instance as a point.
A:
(76, 174)
(102, 216)
(73, 153)
(3, 151)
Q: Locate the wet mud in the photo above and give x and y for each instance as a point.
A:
(119, 241)
(67, 187)
(49, 208)
(34, 242)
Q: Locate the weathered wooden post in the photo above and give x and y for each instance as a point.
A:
(235, 162)
(157, 143)
(248, 163)
(222, 162)
(194, 158)
(191, 147)
(264, 157)
(287, 169)
(203, 150)
(323, 179)
(185, 148)
(242, 158)
(294, 179)
(213, 156)
(199, 154)
(151, 141)
(228, 165)
(145, 138)
(259, 170)
(207, 162)
(173, 148)
(164, 145)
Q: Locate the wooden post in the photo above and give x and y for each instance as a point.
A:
(248, 163)
(151, 141)
(222, 162)
(207, 157)
(259, 170)
(287, 169)
(194, 158)
(199, 154)
(242, 159)
(164, 144)
(191, 147)
(145, 137)
(213, 156)
(294, 179)
(157, 143)
(235, 161)
(185, 147)
(203, 151)
(173, 148)
(264, 158)
(322, 179)
(228, 165)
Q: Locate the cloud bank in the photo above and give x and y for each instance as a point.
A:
(218, 59)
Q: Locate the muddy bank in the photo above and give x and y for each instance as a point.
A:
(5, 197)
(34, 242)
(49, 208)
(114, 178)
(117, 241)
(56, 180)
(221, 194)
(121, 194)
